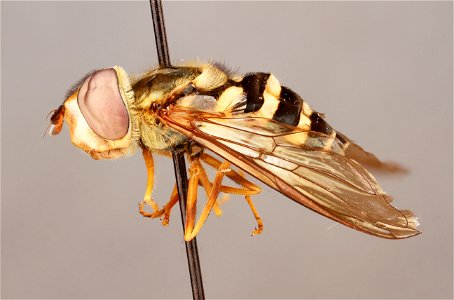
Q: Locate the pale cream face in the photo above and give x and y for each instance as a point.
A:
(98, 118)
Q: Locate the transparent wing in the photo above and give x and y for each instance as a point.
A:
(309, 167)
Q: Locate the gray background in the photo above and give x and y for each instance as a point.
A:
(381, 71)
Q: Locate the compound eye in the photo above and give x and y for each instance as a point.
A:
(101, 105)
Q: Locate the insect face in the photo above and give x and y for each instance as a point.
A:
(97, 114)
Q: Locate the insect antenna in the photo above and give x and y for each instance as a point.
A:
(48, 125)
(56, 120)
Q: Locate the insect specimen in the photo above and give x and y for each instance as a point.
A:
(251, 121)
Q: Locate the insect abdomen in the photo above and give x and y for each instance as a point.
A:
(290, 107)
(266, 98)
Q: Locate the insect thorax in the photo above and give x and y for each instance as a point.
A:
(154, 88)
(157, 137)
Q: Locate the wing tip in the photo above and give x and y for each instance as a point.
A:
(412, 219)
(406, 227)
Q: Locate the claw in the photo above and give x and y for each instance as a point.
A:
(142, 210)
(165, 220)
(151, 203)
(257, 230)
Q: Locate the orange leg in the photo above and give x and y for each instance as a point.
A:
(259, 228)
(203, 180)
(147, 199)
(198, 176)
(193, 228)
(168, 207)
(207, 185)
(248, 188)
(166, 210)
(191, 201)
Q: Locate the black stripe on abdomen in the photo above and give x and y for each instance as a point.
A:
(289, 108)
(254, 85)
(342, 138)
(320, 125)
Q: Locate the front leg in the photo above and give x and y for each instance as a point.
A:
(147, 199)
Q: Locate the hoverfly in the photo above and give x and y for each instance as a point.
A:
(251, 121)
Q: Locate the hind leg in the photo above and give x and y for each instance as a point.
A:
(247, 188)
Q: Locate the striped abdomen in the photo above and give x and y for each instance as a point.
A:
(263, 96)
